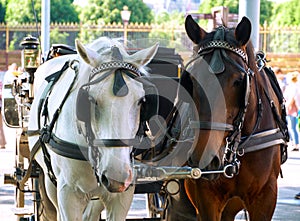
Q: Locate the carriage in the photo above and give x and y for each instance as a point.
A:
(170, 123)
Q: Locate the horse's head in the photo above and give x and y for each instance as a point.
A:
(220, 76)
(108, 107)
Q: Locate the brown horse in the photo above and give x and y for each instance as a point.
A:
(241, 125)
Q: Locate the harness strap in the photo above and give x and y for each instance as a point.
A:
(116, 142)
(279, 119)
(51, 79)
(27, 175)
(68, 149)
(47, 160)
(206, 125)
(45, 132)
(262, 140)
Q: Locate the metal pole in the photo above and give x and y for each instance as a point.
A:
(6, 45)
(125, 33)
(251, 9)
(45, 27)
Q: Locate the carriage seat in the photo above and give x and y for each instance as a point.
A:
(60, 49)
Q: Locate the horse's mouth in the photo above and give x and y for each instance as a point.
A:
(214, 165)
(115, 186)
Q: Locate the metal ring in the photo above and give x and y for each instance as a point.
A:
(225, 173)
(196, 173)
(74, 64)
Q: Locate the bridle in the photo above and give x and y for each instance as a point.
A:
(220, 47)
(93, 143)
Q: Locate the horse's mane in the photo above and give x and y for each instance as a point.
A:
(251, 57)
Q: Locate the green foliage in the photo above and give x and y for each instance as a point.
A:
(21, 11)
(266, 8)
(284, 42)
(109, 11)
(174, 18)
(233, 6)
(287, 13)
(63, 11)
(57, 37)
(207, 5)
(2, 10)
(166, 35)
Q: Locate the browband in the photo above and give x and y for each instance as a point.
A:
(225, 45)
(115, 65)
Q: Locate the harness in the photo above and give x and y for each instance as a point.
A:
(236, 144)
(71, 150)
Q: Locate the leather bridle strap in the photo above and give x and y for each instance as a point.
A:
(116, 142)
(207, 125)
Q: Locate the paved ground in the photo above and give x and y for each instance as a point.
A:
(288, 208)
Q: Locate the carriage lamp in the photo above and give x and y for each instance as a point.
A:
(30, 58)
(125, 15)
(30, 53)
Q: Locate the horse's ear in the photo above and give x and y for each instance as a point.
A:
(243, 31)
(143, 57)
(88, 55)
(193, 30)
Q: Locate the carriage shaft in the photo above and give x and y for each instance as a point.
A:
(145, 173)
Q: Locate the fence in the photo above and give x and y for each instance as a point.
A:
(282, 44)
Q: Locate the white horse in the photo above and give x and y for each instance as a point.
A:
(99, 112)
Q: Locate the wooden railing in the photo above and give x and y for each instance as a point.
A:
(288, 62)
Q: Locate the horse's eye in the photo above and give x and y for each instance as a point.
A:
(238, 82)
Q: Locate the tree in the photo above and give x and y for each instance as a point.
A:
(2, 10)
(167, 37)
(266, 10)
(233, 6)
(207, 5)
(286, 13)
(22, 11)
(63, 11)
(109, 11)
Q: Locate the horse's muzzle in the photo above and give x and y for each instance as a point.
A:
(215, 164)
(115, 186)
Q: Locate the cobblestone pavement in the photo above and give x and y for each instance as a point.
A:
(287, 209)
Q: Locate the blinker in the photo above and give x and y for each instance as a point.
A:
(120, 88)
(216, 65)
